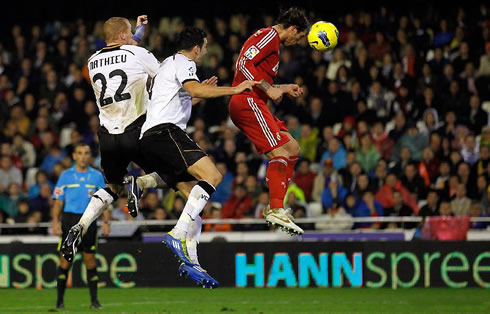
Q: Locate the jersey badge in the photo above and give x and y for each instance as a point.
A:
(191, 71)
(58, 191)
(251, 52)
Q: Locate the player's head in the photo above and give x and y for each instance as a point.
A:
(118, 30)
(82, 155)
(193, 40)
(295, 25)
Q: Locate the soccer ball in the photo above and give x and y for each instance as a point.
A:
(323, 36)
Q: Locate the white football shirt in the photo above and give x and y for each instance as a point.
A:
(119, 74)
(169, 102)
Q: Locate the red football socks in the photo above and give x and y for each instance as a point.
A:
(277, 179)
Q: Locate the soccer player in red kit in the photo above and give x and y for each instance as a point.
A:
(259, 61)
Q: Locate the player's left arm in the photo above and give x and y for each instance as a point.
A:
(212, 81)
(139, 32)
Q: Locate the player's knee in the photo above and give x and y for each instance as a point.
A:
(117, 189)
(215, 178)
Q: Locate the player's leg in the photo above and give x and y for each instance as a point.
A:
(61, 279)
(63, 268)
(89, 248)
(92, 278)
(208, 178)
(253, 117)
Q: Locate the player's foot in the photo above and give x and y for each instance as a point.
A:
(197, 274)
(283, 219)
(134, 193)
(178, 247)
(96, 305)
(60, 305)
(72, 241)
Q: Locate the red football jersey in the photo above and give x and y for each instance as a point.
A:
(258, 59)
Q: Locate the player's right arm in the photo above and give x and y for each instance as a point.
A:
(59, 197)
(200, 90)
(56, 213)
(141, 23)
(186, 75)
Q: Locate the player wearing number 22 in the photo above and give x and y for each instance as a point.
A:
(259, 61)
(118, 74)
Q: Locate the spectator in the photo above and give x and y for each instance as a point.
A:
(428, 167)
(413, 139)
(476, 211)
(367, 155)
(431, 208)
(323, 179)
(384, 196)
(335, 219)
(150, 203)
(413, 182)
(384, 144)
(223, 191)
(41, 178)
(239, 205)
(308, 141)
(399, 209)
(43, 202)
(24, 150)
(333, 193)
(470, 150)
(336, 152)
(460, 205)
(368, 207)
(445, 209)
(8, 173)
(216, 214)
(304, 178)
(159, 214)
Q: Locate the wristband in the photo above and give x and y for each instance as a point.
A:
(138, 34)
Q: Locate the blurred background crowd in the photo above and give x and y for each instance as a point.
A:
(393, 122)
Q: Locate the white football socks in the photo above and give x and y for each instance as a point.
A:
(98, 203)
(194, 206)
(152, 180)
(193, 239)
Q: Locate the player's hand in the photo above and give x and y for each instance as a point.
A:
(294, 90)
(56, 228)
(142, 20)
(212, 81)
(245, 85)
(275, 94)
(106, 229)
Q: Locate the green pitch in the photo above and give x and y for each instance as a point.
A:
(195, 300)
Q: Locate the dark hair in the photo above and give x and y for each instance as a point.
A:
(293, 17)
(190, 37)
(80, 144)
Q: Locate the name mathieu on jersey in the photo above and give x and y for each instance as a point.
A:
(118, 74)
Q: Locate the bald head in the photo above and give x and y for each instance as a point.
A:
(116, 29)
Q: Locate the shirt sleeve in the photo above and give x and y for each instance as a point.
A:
(186, 71)
(148, 60)
(59, 189)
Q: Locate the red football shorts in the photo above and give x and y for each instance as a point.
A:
(251, 115)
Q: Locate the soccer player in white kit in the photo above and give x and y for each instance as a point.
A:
(170, 152)
(118, 74)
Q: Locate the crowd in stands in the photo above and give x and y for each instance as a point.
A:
(393, 122)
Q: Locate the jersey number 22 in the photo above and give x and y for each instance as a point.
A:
(119, 95)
